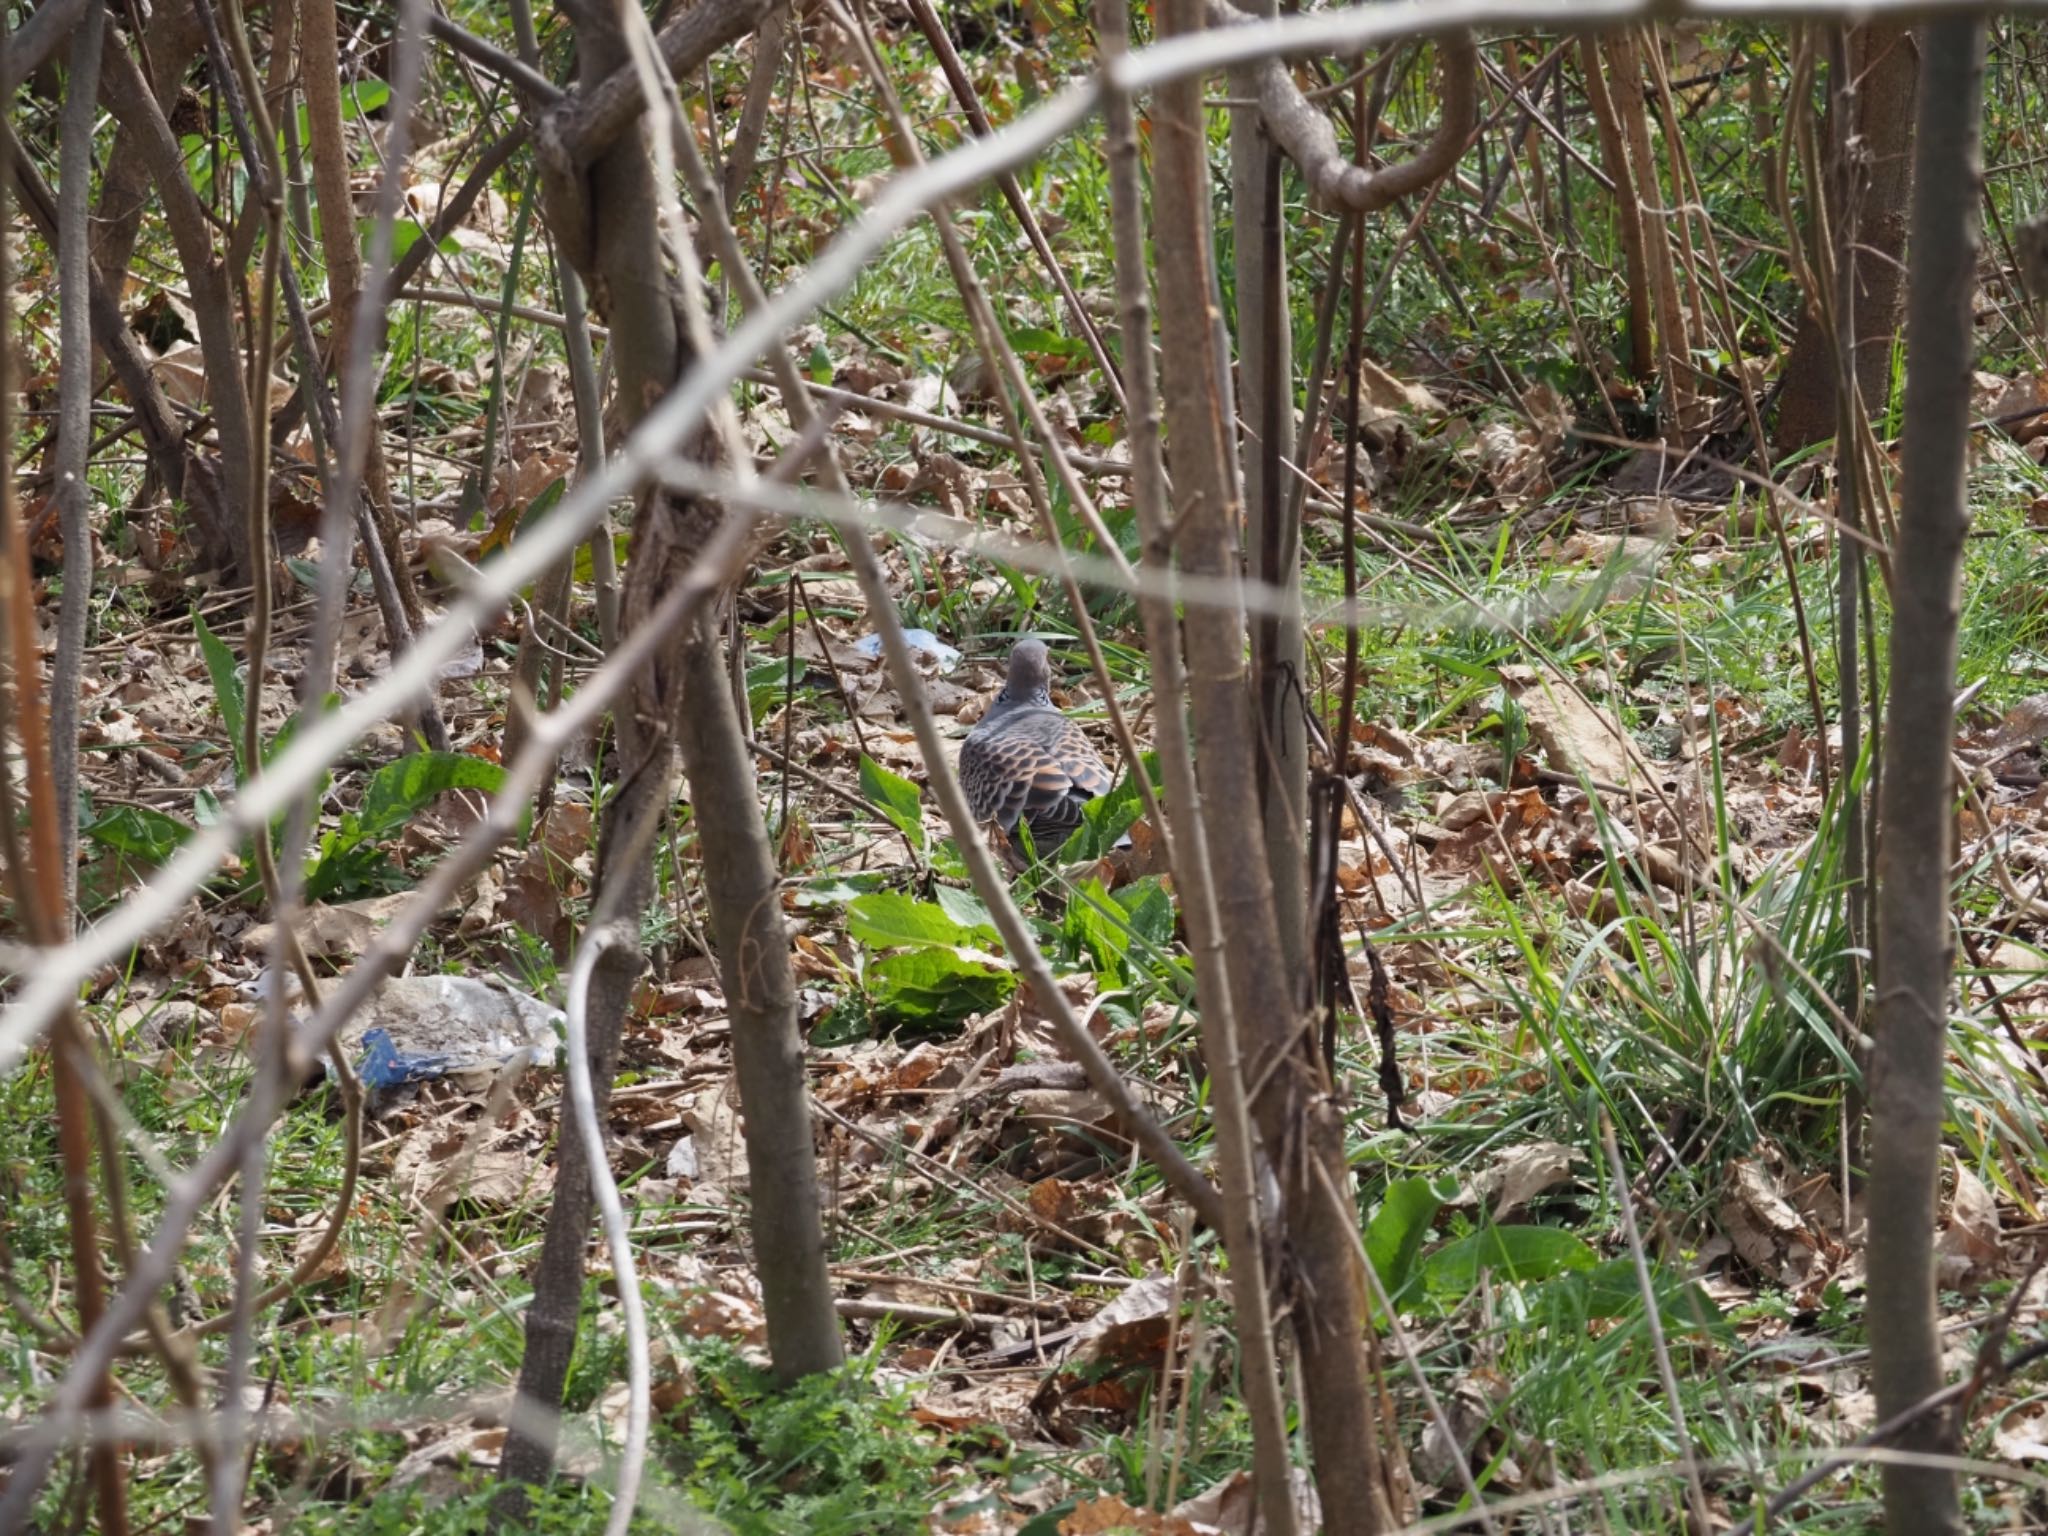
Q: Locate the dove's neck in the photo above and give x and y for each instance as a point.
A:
(1007, 701)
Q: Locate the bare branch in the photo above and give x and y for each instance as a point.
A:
(1304, 131)
(37, 40)
(586, 127)
(74, 431)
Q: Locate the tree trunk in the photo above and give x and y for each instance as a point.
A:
(1915, 960)
(1301, 1132)
(1884, 74)
(1678, 412)
(339, 242)
(169, 45)
(743, 892)
(611, 215)
(1187, 843)
(1272, 531)
(1642, 331)
(126, 95)
(74, 438)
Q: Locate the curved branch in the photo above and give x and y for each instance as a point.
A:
(36, 41)
(593, 118)
(1311, 143)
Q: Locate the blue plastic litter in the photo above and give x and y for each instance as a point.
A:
(385, 1066)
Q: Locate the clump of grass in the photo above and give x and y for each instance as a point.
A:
(835, 1455)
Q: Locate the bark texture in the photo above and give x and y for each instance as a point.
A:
(125, 93)
(169, 45)
(1301, 1131)
(1187, 844)
(620, 196)
(1876, 181)
(339, 243)
(1678, 406)
(1272, 530)
(1915, 957)
(608, 216)
(1642, 331)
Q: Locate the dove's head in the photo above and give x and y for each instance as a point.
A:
(1030, 679)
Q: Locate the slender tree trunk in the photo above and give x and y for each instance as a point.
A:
(647, 344)
(124, 93)
(74, 437)
(1915, 958)
(1301, 1131)
(1188, 848)
(625, 880)
(169, 45)
(610, 215)
(1851, 580)
(1674, 368)
(744, 894)
(1642, 330)
(1272, 530)
(1872, 173)
(320, 50)
(1530, 143)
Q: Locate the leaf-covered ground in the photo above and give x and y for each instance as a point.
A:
(1594, 841)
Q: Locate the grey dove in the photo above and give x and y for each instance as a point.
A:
(1027, 761)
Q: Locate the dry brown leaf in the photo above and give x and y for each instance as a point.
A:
(1970, 1239)
(714, 1120)
(1766, 1231)
(1230, 1507)
(1113, 1355)
(326, 931)
(1519, 1175)
(1000, 1401)
(1111, 1516)
(531, 902)
(1575, 735)
(497, 1179)
(1384, 392)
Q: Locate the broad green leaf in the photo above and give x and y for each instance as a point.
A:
(228, 694)
(1148, 908)
(543, 503)
(400, 790)
(404, 232)
(358, 101)
(831, 890)
(1398, 1227)
(1461, 666)
(1510, 1253)
(139, 832)
(1610, 1289)
(769, 682)
(891, 920)
(1090, 928)
(1037, 341)
(844, 1023)
(347, 857)
(1108, 817)
(935, 986)
(895, 797)
(345, 866)
(966, 909)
